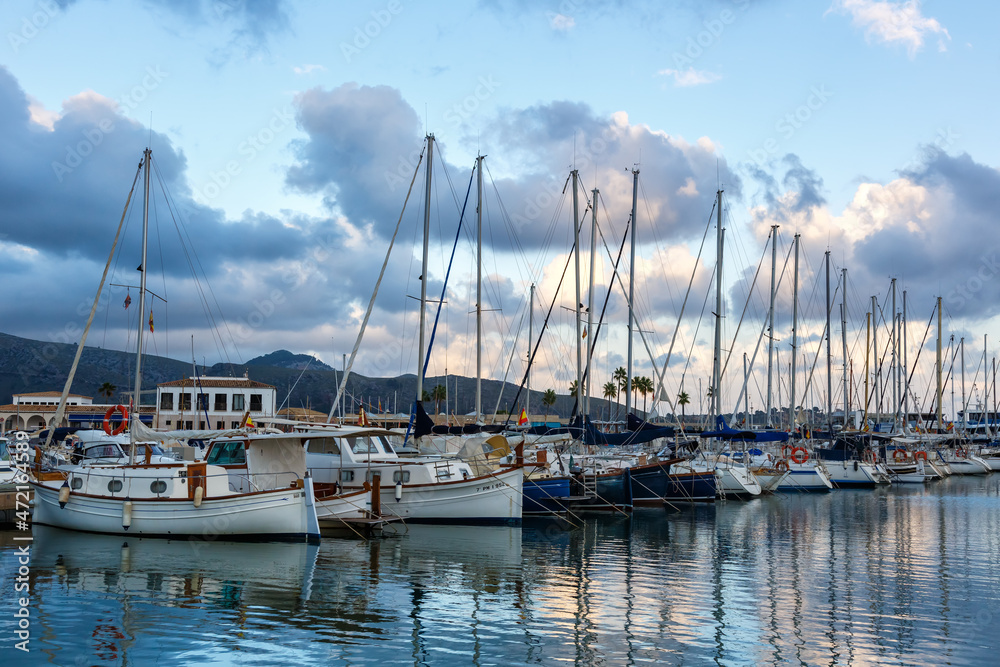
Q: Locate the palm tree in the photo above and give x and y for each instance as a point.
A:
(572, 388)
(438, 394)
(620, 376)
(682, 400)
(645, 387)
(548, 400)
(610, 389)
(107, 390)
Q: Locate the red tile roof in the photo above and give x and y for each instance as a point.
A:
(238, 383)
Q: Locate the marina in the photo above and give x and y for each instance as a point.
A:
(897, 575)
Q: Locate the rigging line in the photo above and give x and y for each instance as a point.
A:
(371, 302)
(819, 348)
(541, 333)
(510, 363)
(61, 409)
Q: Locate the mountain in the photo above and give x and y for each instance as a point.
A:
(30, 365)
(285, 359)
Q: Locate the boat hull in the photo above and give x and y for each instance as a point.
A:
(283, 514)
(691, 487)
(545, 495)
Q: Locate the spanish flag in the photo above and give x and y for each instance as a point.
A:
(523, 419)
(150, 321)
(249, 421)
(362, 417)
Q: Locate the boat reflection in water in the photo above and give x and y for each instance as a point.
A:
(902, 575)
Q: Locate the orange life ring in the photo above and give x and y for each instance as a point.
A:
(899, 455)
(786, 451)
(121, 425)
(920, 455)
(798, 457)
(781, 466)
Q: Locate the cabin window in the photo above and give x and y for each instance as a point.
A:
(363, 446)
(401, 476)
(220, 402)
(202, 402)
(346, 475)
(256, 402)
(227, 453)
(158, 487)
(323, 446)
(106, 451)
(77, 483)
(185, 401)
(386, 446)
(115, 485)
(166, 401)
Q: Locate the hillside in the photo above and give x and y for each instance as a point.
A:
(29, 365)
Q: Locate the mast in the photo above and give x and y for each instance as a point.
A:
(843, 341)
(421, 345)
(906, 372)
(479, 287)
(829, 363)
(893, 361)
(717, 353)
(795, 334)
(579, 303)
(965, 408)
(136, 409)
(746, 394)
(940, 416)
(590, 296)
(878, 367)
(770, 326)
(531, 313)
(631, 294)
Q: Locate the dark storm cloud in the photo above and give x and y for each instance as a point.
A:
(805, 182)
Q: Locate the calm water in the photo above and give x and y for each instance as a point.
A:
(896, 576)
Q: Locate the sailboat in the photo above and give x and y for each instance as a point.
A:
(182, 499)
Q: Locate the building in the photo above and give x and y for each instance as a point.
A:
(37, 410)
(212, 402)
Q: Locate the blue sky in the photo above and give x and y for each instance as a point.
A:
(864, 125)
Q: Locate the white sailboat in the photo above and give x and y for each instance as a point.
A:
(183, 498)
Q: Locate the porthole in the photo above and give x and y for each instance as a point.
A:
(159, 486)
(77, 483)
(401, 476)
(346, 475)
(115, 485)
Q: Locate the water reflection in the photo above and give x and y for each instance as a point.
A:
(892, 576)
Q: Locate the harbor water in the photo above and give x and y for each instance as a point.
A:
(894, 576)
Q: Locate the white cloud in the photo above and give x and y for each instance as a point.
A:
(40, 115)
(308, 69)
(561, 22)
(690, 76)
(893, 22)
(689, 189)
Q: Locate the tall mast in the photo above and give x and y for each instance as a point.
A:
(770, 326)
(147, 157)
(829, 363)
(965, 420)
(746, 394)
(590, 295)
(940, 415)
(717, 353)
(576, 255)
(423, 270)
(631, 294)
(906, 372)
(531, 313)
(843, 341)
(878, 367)
(893, 361)
(795, 334)
(479, 287)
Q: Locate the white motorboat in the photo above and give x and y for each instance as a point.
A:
(424, 489)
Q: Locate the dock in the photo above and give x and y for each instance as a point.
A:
(365, 528)
(8, 504)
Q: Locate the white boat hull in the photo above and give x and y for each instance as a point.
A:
(972, 465)
(488, 499)
(805, 477)
(356, 505)
(283, 514)
(846, 474)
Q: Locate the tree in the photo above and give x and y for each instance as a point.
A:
(425, 396)
(610, 389)
(645, 387)
(620, 376)
(572, 388)
(548, 400)
(107, 390)
(438, 394)
(682, 400)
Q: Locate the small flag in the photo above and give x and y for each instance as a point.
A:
(380, 405)
(523, 419)
(584, 332)
(362, 417)
(150, 321)
(128, 300)
(249, 421)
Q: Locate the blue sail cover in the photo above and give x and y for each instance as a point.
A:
(583, 430)
(726, 432)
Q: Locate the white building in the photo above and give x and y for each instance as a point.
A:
(212, 402)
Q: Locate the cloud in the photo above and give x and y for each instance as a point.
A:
(690, 77)
(892, 22)
(308, 69)
(561, 22)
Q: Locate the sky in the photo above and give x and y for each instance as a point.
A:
(285, 135)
